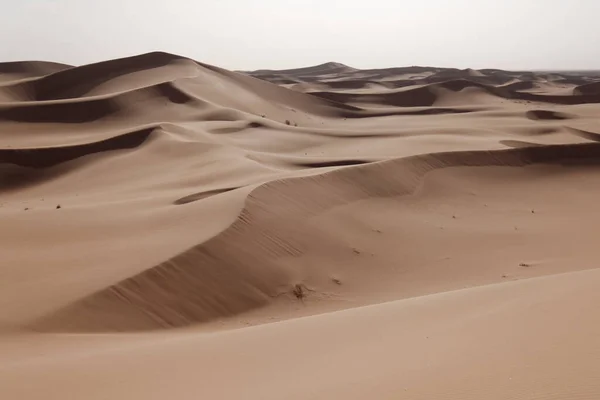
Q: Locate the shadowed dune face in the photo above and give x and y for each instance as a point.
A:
(592, 88)
(15, 71)
(415, 216)
(546, 115)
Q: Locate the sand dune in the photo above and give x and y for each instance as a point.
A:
(15, 71)
(587, 89)
(211, 281)
(431, 94)
(490, 341)
(320, 232)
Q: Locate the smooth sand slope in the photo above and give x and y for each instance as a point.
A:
(171, 229)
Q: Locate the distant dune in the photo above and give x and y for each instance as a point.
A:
(171, 229)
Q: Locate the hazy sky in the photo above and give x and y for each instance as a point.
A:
(245, 34)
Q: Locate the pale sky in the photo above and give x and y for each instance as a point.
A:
(245, 34)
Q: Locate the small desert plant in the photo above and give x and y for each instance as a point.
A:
(298, 291)
(287, 122)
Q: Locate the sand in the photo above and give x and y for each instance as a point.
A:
(171, 229)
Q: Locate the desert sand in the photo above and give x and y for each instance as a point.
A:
(174, 230)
